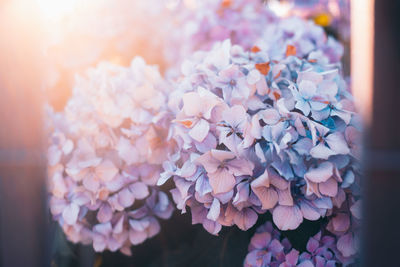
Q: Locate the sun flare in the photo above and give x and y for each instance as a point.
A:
(56, 9)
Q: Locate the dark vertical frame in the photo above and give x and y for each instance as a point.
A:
(22, 166)
(381, 239)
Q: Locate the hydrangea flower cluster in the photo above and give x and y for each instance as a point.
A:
(260, 122)
(105, 157)
(268, 248)
(308, 38)
(207, 22)
(257, 134)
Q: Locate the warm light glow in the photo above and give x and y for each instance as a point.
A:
(334, 9)
(362, 45)
(280, 8)
(56, 9)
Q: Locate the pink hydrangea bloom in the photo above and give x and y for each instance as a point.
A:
(250, 24)
(268, 248)
(257, 134)
(209, 21)
(105, 161)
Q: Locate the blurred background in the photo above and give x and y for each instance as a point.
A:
(45, 43)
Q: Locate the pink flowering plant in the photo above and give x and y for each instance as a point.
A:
(197, 25)
(105, 157)
(268, 248)
(258, 135)
(258, 123)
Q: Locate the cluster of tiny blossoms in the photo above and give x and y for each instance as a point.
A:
(210, 21)
(262, 122)
(268, 248)
(259, 135)
(105, 157)
(247, 23)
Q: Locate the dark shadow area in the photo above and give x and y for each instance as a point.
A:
(382, 198)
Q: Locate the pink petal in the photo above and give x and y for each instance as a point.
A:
(270, 116)
(341, 222)
(199, 214)
(267, 196)
(137, 237)
(310, 76)
(261, 181)
(235, 116)
(214, 211)
(319, 261)
(224, 197)
(139, 225)
(222, 155)
(337, 143)
(312, 188)
(208, 162)
(183, 186)
(126, 198)
(303, 146)
(321, 151)
(309, 212)
(339, 198)
(57, 205)
(278, 181)
(208, 101)
(329, 188)
(275, 246)
(91, 183)
(191, 104)
(323, 203)
(285, 197)
(188, 169)
(59, 186)
(300, 127)
(179, 200)
(245, 219)
(203, 185)
(242, 195)
(307, 88)
(351, 134)
(119, 226)
(103, 228)
(346, 245)
(260, 240)
(153, 228)
(356, 209)
(127, 151)
(200, 130)
(312, 245)
(105, 213)
(70, 213)
(106, 171)
(210, 142)
(54, 155)
(329, 88)
(321, 173)
(292, 257)
(287, 218)
(241, 167)
(99, 243)
(253, 76)
(139, 190)
(212, 227)
(221, 181)
(228, 216)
